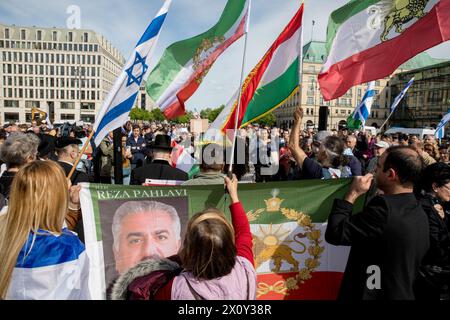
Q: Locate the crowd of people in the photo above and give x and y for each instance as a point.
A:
(403, 228)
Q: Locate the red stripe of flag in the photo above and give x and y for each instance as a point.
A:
(382, 60)
(178, 107)
(252, 81)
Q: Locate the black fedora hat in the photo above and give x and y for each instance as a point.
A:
(162, 141)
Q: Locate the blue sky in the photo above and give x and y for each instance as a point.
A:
(123, 22)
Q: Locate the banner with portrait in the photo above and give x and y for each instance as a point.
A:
(124, 225)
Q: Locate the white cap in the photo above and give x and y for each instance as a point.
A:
(382, 144)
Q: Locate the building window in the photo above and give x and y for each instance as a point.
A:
(23, 34)
(11, 117)
(39, 35)
(67, 105)
(11, 103)
(67, 116)
(377, 83)
(54, 36)
(90, 118)
(70, 37)
(85, 37)
(310, 101)
(6, 33)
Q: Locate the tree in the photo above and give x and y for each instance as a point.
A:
(211, 114)
(139, 114)
(268, 120)
(215, 113)
(184, 118)
(156, 115)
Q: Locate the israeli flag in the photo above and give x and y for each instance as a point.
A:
(440, 130)
(362, 111)
(401, 95)
(119, 101)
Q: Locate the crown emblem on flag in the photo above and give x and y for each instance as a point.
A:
(273, 204)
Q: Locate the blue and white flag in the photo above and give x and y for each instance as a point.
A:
(401, 95)
(362, 111)
(51, 267)
(118, 103)
(440, 129)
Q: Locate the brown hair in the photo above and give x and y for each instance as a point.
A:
(209, 250)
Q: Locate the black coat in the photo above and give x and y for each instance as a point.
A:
(77, 176)
(391, 233)
(158, 169)
(439, 253)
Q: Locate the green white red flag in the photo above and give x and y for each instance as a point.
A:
(271, 82)
(184, 64)
(369, 39)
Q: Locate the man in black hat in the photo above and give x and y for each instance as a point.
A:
(160, 167)
(68, 149)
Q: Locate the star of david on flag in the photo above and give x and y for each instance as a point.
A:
(119, 101)
(138, 60)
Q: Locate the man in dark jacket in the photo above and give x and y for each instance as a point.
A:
(389, 238)
(160, 167)
(136, 143)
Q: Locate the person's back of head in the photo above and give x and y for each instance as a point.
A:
(38, 200)
(18, 149)
(434, 175)
(209, 250)
(405, 162)
(332, 152)
(212, 158)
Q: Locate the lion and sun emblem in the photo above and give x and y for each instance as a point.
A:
(276, 244)
(400, 12)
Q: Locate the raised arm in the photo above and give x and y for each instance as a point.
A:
(243, 236)
(294, 140)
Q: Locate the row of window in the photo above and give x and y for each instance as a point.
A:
(51, 70)
(9, 56)
(36, 104)
(56, 35)
(44, 82)
(50, 94)
(14, 117)
(48, 46)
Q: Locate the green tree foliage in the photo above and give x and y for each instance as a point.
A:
(139, 114)
(211, 114)
(157, 115)
(185, 118)
(145, 115)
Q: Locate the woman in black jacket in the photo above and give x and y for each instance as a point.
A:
(434, 196)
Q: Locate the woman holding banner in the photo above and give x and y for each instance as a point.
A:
(215, 263)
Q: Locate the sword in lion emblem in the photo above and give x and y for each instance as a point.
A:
(402, 12)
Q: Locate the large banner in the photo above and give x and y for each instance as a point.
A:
(127, 224)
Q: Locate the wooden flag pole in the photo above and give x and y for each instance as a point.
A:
(81, 154)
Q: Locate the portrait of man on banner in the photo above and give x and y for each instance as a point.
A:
(136, 230)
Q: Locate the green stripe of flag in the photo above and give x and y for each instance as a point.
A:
(180, 53)
(272, 94)
(339, 16)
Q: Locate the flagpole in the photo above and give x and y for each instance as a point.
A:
(230, 169)
(384, 123)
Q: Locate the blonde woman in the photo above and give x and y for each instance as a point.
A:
(39, 258)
